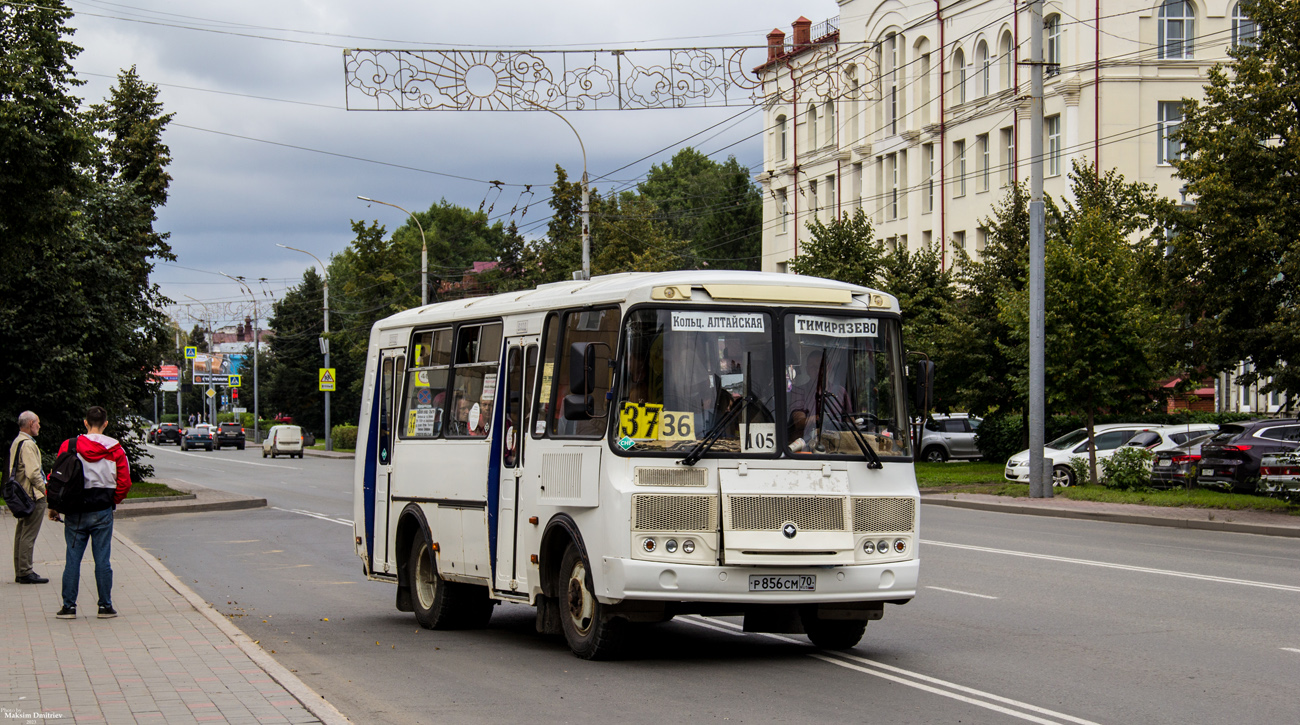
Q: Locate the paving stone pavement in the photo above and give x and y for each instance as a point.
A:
(168, 657)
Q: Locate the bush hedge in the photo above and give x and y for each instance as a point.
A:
(1002, 436)
(1129, 469)
(344, 436)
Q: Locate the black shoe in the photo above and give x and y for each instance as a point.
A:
(32, 578)
(106, 611)
(67, 613)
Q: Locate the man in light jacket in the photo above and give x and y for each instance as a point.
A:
(108, 479)
(25, 465)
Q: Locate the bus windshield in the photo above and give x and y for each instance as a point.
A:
(688, 371)
(843, 386)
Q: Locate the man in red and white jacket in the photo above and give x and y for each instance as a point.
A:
(108, 479)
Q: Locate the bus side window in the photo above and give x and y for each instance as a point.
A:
(590, 326)
(426, 387)
(542, 414)
(474, 382)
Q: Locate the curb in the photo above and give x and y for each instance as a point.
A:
(328, 454)
(1228, 526)
(187, 508)
(315, 703)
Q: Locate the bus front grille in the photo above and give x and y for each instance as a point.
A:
(879, 514)
(673, 512)
(770, 513)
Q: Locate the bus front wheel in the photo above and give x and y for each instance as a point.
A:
(440, 604)
(834, 633)
(590, 634)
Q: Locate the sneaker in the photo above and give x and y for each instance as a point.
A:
(67, 613)
(31, 578)
(106, 611)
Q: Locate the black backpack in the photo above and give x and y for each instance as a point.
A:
(66, 489)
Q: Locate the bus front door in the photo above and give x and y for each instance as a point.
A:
(392, 369)
(520, 371)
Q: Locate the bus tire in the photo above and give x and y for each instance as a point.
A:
(834, 633)
(440, 604)
(591, 634)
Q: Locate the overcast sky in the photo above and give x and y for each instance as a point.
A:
(238, 74)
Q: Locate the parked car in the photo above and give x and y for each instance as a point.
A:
(200, 436)
(1169, 437)
(230, 434)
(1279, 474)
(1230, 460)
(1108, 439)
(166, 433)
(283, 440)
(1176, 467)
(949, 436)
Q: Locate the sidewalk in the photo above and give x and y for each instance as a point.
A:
(169, 657)
(1246, 522)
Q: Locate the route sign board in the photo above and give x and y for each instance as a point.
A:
(326, 380)
(191, 352)
(233, 380)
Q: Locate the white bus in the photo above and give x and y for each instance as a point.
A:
(636, 446)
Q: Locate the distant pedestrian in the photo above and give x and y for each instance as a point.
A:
(108, 479)
(25, 465)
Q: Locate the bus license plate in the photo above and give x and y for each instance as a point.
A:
(801, 583)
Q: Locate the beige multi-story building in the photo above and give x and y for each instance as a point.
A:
(917, 112)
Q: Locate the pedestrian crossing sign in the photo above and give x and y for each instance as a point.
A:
(233, 381)
(326, 380)
(191, 352)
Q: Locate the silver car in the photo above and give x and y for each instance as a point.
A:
(950, 436)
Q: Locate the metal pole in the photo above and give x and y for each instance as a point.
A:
(586, 192)
(180, 377)
(257, 433)
(329, 442)
(424, 250)
(1040, 482)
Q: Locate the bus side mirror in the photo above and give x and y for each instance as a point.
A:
(924, 387)
(579, 403)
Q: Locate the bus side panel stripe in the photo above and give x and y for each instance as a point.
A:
(368, 485)
(494, 472)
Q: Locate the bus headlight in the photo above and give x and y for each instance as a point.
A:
(882, 546)
(648, 545)
(688, 547)
(671, 546)
(868, 547)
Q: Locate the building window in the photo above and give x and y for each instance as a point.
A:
(832, 131)
(982, 162)
(1053, 145)
(927, 158)
(959, 164)
(959, 240)
(981, 239)
(783, 208)
(892, 82)
(927, 238)
(1243, 28)
(1005, 60)
(1008, 155)
(984, 68)
(924, 86)
(832, 203)
(811, 121)
(1053, 37)
(857, 186)
(781, 130)
(851, 128)
(1177, 27)
(892, 172)
(959, 73)
(814, 203)
(1169, 149)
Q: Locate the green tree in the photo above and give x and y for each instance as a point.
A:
(1235, 262)
(289, 382)
(925, 293)
(845, 249)
(715, 208)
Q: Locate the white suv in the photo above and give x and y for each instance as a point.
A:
(1109, 438)
(949, 436)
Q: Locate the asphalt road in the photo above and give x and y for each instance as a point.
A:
(1019, 619)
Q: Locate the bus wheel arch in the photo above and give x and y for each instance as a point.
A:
(560, 531)
(411, 523)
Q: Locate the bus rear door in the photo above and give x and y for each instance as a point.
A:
(516, 402)
(392, 370)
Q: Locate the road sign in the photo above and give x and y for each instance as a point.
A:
(214, 378)
(212, 393)
(233, 380)
(191, 352)
(326, 380)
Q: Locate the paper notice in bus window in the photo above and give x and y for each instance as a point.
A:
(758, 437)
(422, 379)
(422, 422)
(489, 387)
(677, 426)
(640, 421)
(836, 326)
(718, 322)
(548, 372)
(411, 423)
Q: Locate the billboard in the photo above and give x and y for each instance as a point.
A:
(168, 376)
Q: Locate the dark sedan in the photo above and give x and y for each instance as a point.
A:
(165, 433)
(200, 436)
(1230, 460)
(230, 434)
(1176, 468)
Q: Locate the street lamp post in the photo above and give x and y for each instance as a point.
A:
(212, 399)
(325, 343)
(424, 249)
(586, 192)
(257, 341)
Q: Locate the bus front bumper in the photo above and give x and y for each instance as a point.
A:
(648, 580)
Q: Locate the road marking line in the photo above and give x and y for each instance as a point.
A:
(1122, 567)
(958, 591)
(955, 696)
(226, 460)
(839, 658)
(1289, 649)
(314, 515)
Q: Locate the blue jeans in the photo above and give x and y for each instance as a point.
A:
(97, 527)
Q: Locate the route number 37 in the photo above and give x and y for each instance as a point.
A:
(650, 421)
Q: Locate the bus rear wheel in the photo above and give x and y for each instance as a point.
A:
(590, 634)
(440, 604)
(833, 633)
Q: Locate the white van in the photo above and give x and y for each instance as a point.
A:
(283, 440)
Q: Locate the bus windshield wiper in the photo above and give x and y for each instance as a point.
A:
(837, 410)
(715, 433)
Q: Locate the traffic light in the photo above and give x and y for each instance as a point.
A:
(234, 393)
